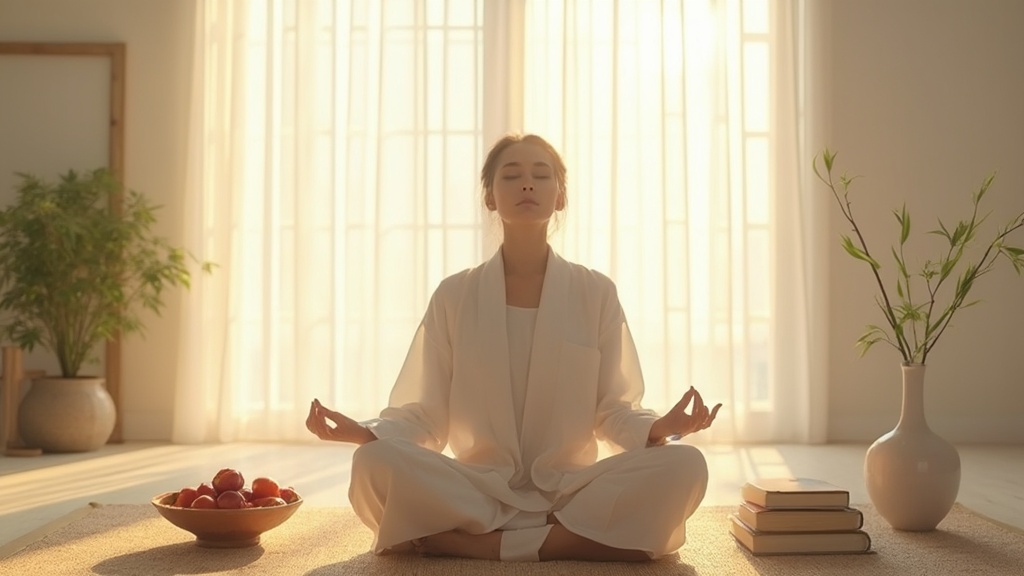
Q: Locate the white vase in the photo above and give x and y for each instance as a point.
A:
(912, 474)
(66, 414)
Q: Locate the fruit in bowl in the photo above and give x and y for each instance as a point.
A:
(228, 479)
(233, 517)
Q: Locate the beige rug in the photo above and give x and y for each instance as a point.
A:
(132, 540)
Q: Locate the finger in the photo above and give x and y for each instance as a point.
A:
(714, 412)
(328, 415)
(701, 418)
(320, 426)
(698, 402)
(317, 427)
(703, 415)
(711, 418)
(328, 432)
(321, 412)
(337, 417)
(321, 409)
(684, 402)
(327, 412)
(314, 415)
(311, 417)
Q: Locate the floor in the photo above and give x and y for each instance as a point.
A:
(35, 491)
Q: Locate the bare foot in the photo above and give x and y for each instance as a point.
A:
(460, 544)
(561, 544)
(403, 548)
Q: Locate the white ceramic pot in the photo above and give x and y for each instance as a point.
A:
(912, 474)
(66, 414)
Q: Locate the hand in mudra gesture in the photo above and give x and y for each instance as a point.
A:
(677, 423)
(335, 426)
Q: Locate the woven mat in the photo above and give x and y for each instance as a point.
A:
(123, 540)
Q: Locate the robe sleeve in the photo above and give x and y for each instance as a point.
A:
(417, 409)
(620, 419)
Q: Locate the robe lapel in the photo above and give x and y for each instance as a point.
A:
(548, 336)
(492, 343)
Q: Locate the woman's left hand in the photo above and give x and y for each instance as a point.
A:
(677, 423)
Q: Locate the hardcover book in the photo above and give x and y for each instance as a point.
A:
(766, 543)
(795, 493)
(799, 519)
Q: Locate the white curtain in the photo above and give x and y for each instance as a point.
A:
(333, 177)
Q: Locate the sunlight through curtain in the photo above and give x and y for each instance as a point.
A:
(334, 156)
(678, 124)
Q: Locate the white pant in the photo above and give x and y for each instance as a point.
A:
(640, 502)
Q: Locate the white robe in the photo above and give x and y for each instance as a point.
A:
(584, 385)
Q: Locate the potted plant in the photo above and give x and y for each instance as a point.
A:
(79, 262)
(912, 475)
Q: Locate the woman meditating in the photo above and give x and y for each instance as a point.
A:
(520, 366)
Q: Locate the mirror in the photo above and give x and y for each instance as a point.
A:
(62, 107)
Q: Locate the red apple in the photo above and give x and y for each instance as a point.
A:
(230, 499)
(289, 495)
(268, 501)
(185, 497)
(247, 494)
(205, 501)
(264, 487)
(228, 479)
(205, 489)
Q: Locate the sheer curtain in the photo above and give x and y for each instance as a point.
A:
(333, 177)
(681, 126)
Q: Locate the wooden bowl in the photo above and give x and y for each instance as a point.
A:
(217, 528)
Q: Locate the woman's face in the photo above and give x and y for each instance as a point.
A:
(525, 190)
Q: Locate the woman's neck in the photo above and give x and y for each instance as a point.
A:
(525, 254)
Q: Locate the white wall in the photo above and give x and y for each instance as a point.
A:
(158, 34)
(928, 98)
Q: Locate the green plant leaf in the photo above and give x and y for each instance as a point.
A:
(829, 159)
(903, 217)
(1015, 255)
(77, 273)
(984, 188)
(963, 233)
(917, 321)
(899, 263)
(948, 265)
(857, 253)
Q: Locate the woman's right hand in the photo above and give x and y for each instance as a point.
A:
(344, 428)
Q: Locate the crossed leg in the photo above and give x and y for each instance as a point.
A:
(560, 544)
(405, 494)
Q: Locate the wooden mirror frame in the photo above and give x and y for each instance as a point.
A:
(116, 54)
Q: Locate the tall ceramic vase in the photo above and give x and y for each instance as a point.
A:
(912, 474)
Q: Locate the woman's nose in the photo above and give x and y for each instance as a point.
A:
(528, 188)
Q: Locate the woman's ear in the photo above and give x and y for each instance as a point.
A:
(489, 202)
(560, 201)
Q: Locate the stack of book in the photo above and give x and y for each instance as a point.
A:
(798, 516)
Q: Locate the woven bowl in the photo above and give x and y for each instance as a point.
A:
(217, 528)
